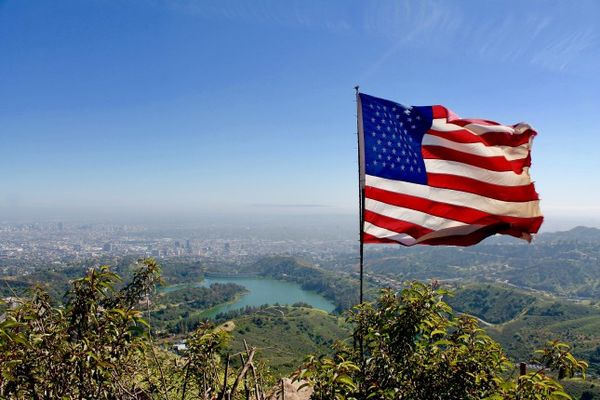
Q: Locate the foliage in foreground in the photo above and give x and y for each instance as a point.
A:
(98, 346)
(89, 348)
(413, 347)
(407, 346)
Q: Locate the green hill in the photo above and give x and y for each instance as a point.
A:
(492, 303)
(285, 335)
(550, 319)
(521, 321)
(562, 263)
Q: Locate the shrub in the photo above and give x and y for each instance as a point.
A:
(411, 346)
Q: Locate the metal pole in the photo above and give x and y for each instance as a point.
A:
(361, 208)
(361, 195)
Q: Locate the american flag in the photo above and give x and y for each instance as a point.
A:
(430, 177)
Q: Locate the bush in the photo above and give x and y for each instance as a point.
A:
(98, 346)
(90, 348)
(411, 346)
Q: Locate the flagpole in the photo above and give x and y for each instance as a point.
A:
(361, 207)
(361, 190)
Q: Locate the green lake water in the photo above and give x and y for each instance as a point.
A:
(266, 291)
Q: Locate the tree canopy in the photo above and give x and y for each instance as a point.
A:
(410, 345)
(407, 345)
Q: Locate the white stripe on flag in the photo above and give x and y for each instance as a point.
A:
(479, 149)
(383, 233)
(504, 178)
(408, 240)
(526, 209)
(480, 129)
(409, 215)
(442, 125)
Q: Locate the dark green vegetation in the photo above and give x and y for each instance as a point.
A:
(179, 311)
(522, 322)
(565, 264)
(341, 290)
(56, 280)
(285, 335)
(415, 348)
(98, 346)
(492, 303)
(552, 293)
(88, 349)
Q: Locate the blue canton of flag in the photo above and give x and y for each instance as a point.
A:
(393, 134)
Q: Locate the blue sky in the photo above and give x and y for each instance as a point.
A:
(156, 107)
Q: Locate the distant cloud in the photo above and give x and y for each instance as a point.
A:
(302, 14)
(566, 50)
(553, 36)
(549, 37)
(408, 23)
(538, 40)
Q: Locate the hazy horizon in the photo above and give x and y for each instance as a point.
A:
(276, 221)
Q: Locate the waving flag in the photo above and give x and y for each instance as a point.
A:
(429, 177)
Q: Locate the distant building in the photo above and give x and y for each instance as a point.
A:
(107, 247)
(159, 253)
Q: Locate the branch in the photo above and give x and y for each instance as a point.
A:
(242, 372)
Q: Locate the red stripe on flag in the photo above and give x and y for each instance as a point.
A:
(374, 239)
(461, 240)
(439, 112)
(489, 139)
(498, 192)
(467, 240)
(467, 121)
(456, 213)
(498, 163)
(395, 225)
(478, 236)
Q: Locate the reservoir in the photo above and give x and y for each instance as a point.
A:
(266, 291)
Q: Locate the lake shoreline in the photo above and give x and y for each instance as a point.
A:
(265, 290)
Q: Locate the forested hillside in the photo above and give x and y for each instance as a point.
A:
(98, 345)
(522, 321)
(563, 263)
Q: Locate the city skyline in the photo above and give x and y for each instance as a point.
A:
(182, 110)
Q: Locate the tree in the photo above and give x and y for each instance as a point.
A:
(98, 346)
(90, 348)
(411, 346)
